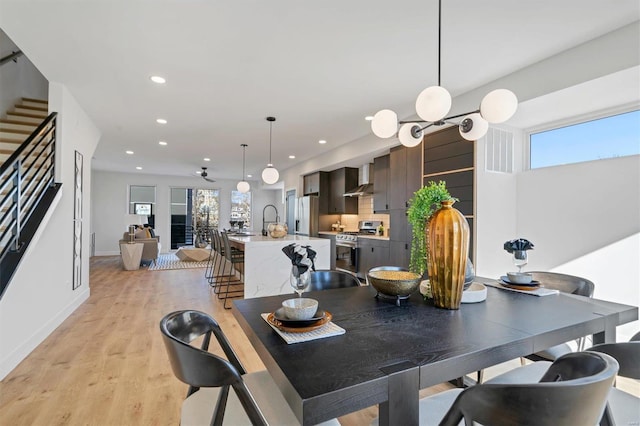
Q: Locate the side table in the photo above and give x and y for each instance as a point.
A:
(131, 255)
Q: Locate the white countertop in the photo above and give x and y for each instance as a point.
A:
(259, 238)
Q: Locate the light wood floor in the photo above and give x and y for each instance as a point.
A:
(106, 364)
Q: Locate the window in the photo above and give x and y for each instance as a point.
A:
(192, 211)
(241, 208)
(608, 137)
(143, 196)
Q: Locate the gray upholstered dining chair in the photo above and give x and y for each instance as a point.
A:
(221, 392)
(622, 408)
(573, 391)
(328, 279)
(567, 284)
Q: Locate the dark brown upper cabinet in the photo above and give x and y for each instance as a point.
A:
(341, 181)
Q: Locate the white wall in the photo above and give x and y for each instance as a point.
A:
(18, 79)
(110, 204)
(584, 220)
(40, 296)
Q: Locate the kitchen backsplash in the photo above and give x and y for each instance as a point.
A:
(365, 212)
(350, 221)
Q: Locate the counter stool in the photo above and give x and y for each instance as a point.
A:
(233, 288)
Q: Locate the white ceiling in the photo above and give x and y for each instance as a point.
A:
(319, 67)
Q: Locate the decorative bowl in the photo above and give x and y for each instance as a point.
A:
(277, 230)
(519, 277)
(477, 292)
(301, 308)
(393, 282)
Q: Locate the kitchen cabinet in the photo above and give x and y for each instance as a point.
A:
(405, 173)
(450, 158)
(341, 181)
(372, 252)
(318, 184)
(380, 183)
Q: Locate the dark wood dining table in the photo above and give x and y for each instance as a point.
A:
(389, 352)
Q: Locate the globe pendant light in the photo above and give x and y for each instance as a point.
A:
(243, 186)
(270, 175)
(433, 105)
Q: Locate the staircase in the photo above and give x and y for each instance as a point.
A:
(19, 123)
(27, 172)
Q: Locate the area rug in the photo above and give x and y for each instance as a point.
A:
(170, 261)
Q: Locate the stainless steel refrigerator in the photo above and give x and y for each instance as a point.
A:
(307, 216)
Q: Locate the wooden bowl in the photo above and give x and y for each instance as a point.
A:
(394, 282)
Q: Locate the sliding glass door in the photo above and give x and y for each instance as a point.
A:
(193, 212)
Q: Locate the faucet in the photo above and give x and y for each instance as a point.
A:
(264, 229)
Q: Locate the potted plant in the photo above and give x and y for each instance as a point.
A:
(422, 206)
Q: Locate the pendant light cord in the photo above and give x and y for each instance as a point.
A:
(439, 35)
(244, 150)
(270, 129)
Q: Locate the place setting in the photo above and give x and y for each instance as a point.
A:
(301, 319)
(521, 282)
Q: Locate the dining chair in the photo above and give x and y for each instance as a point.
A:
(572, 391)
(255, 399)
(567, 284)
(622, 408)
(328, 279)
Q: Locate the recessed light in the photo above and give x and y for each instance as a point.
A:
(207, 159)
(129, 152)
(158, 79)
(199, 171)
(369, 117)
(292, 156)
(163, 143)
(249, 175)
(322, 141)
(138, 168)
(161, 121)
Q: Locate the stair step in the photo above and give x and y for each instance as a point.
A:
(9, 144)
(11, 125)
(39, 103)
(30, 111)
(22, 118)
(14, 135)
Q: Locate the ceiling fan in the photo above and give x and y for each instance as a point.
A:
(204, 175)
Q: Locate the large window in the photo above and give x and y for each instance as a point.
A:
(144, 196)
(608, 137)
(193, 212)
(240, 209)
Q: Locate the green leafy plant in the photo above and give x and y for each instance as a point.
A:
(422, 206)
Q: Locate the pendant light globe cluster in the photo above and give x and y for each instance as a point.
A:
(270, 174)
(243, 186)
(434, 103)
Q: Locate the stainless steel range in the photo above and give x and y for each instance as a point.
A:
(347, 245)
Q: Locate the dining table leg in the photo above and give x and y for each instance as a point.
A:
(608, 335)
(402, 407)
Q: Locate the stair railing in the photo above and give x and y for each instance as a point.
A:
(11, 57)
(24, 178)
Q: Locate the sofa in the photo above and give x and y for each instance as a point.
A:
(151, 241)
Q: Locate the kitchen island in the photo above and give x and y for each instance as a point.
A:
(267, 268)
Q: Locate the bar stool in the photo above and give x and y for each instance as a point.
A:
(233, 288)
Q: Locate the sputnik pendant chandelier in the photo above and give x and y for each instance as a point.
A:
(270, 174)
(243, 186)
(433, 105)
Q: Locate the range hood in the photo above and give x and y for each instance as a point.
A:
(365, 184)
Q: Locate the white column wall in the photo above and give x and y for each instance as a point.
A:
(40, 296)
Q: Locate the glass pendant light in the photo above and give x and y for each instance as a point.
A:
(243, 186)
(270, 174)
(433, 105)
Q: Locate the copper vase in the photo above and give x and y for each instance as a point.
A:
(448, 234)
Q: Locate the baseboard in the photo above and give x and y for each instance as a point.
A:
(19, 354)
(108, 253)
